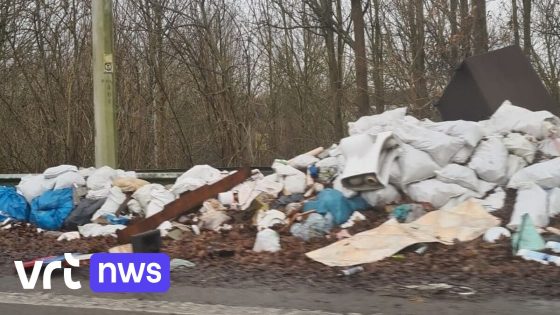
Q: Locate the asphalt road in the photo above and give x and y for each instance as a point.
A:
(182, 299)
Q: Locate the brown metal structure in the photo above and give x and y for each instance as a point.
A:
(187, 201)
(482, 83)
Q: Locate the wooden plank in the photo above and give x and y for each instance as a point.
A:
(188, 201)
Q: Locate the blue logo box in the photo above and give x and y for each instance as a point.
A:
(134, 273)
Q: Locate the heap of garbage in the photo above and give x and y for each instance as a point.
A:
(440, 180)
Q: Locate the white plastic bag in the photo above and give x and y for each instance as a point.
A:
(32, 186)
(267, 241)
(376, 123)
(53, 172)
(460, 175)
(415, 165)
(533, 200)
(94, 229)
(490, 160)
(293, 179)
(114, 200)
(381, 197)
(545, 174)
(515, 163)
(196, 177)
(550, 147)
(99, 182)
(469, 131)
(520, 145)
(435, 192)
(302, 161)
(152, 198)
(510, 118)
(463, 155)
(440, 146)
(554, 202)
(68, 180)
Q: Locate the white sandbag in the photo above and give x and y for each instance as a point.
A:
(484, 187)
(545, 174)
(99, 182)
(510, 118)
(460, 175)
(381, 197)
(330, 161)
(267, 241)
(440, 146)
(269, 218)
(32, 186)
(152, 198)
(94, 229)
(68, 180)
(376, 123)
(515, 163)
(463, 155)
(293, 179)
(520, 145)
(434, 191)
(303, 161)
(494, 201)
(114, 200)
(489, 160)
(469, 131)
(533, 200)
(196, 177)
(550, 147)
(53, 172)
(415, 165)
(554, 202)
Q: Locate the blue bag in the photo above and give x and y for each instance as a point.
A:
(333, 201)
(13, 205)
(49, 210)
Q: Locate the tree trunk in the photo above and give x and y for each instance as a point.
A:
(453, 6)
(527, 27)
(480, 29)
(515, 22)
(377, 49)
(360, 59)
(419, 85)
(465, 28)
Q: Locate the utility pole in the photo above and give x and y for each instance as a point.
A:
(103, 83)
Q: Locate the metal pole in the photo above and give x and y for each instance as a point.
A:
(103, 83)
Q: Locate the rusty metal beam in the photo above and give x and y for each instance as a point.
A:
(187, 201)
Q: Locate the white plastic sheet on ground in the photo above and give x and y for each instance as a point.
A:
(532, 200)
(489, 160)
(545, 174)
(94, 229)
(464, 223)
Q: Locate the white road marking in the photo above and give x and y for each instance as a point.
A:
(148, 306)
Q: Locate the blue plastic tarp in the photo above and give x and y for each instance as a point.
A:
(333, 201)
(13, 205)
(49, 210)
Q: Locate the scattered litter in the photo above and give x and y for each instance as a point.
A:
(495, 233)
(352, 270)
(69, 236)
(267, 241)
(177, 263)
(461, 290)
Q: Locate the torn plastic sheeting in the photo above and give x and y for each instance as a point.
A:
(366, 157)
(464, 223)
(332, 201)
